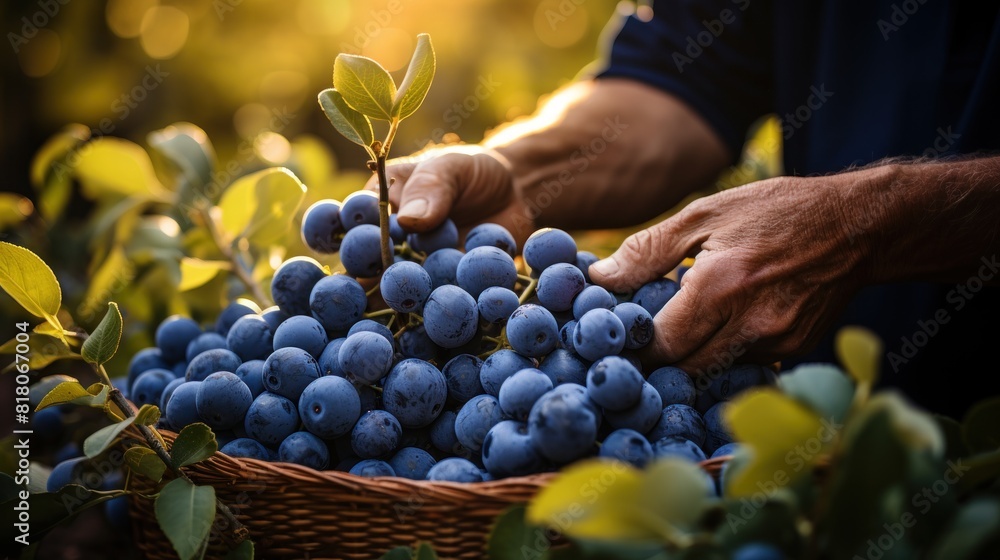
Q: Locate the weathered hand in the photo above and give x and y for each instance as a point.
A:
(775, 263)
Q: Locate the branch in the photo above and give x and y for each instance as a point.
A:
(227, 251)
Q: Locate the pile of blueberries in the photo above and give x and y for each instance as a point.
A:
(455, 368)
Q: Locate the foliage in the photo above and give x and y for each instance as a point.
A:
(827, 470)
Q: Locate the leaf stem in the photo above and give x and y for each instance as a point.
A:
(227, 251)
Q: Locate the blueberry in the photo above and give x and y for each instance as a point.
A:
(371, 468)
(361, 251)
(679, 420)
(252, 373)
(519, 392)
(614, 383)
(442, 432)
(173, 336)
(322, 229)
(562, 366)
(562, 425)
(566, 333)
(641, 416)
(628, 446)
(271, 418)
(674, 386)
(274, 316)
(368, 325)
(737, 379)
(116, 512)
(288, 371)
(638, 324)
(365, 356)
(211, 361)
(717, 431)
(412, 463)
(377, 433)
(451, 317)
(583, 261)
(491, 235)
(302, 332)
(414, 392)
(329, 407)
(329, 360)
(414, 343)
(558, 285)
(222, 400)
(442, 266)
(48, 422)
(678, 447)
(338, 302)
(532, 331)
(203, 342)
(148, 388)
(293, 282)
(250, 338)
(484, 267)
(507, 451)
(549, 246)
(599, 333)
(757, 551)
(726, 450)
(144, 360)
(592, 297)
(445, 236)
(654, 295)
(455, 469)
(246, 448)
(303, 448)
(405, 286)
(475, 419)
(168, 391)
(496, 304)
(396, 232)
(234, 311)
(359, 208)
(67, 472)
(182, 407)
(498, 367)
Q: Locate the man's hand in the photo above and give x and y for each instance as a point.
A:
(470, 184)
(776, 261)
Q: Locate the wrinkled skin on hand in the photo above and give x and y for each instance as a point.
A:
(776, 262)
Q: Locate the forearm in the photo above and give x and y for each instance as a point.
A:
(935, 221)
(609, 153)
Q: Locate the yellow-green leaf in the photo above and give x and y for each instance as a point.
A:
(113, 274)
(50, 175)
(146, 462)
(63, 393)
(350, 123)
(42, 351)
(417, 81)
(114, 167)
(14, 209)
(773, 425)
(260, 207)
(194, 443)
(196, 272)
(860, 350)
(29, 281)
(103, 438)
(148, 415)
(188, 148)
(365, 85)
(39, 389)
(102, 344)
(185, 513)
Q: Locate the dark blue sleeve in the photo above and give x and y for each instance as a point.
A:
(713, 54)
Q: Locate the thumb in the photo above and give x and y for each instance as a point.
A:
(647, 255)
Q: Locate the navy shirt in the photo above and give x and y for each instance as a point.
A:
(853, 82)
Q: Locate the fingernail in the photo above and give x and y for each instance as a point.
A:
(607, 267)
(415, 208)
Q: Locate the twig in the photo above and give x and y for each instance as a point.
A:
(227, 251)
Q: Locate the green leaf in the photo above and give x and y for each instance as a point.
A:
(63, 393)
(981, 468)
(512, 538)
(103, 438)
(860, 350)
(976, 525)
(365, 85)
(771, 425)
(29, 281)
(146, 462)
(148, 415)
(196, 272)
(50, 175)
(260, 207)
(821, 387)
(102, 344)
(349, 123)
(243, 551)
(981, 426)
(117, 168)
(954, 442)
(42, 351)
(188, 148)
(675, 493)
(195, 443)
(52, 509)
(399, 553)
(425, 552)
(185, 513)
(417, 81)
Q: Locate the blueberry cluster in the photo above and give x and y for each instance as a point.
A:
(463, 370)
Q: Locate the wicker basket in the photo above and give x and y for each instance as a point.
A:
(293, 511)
